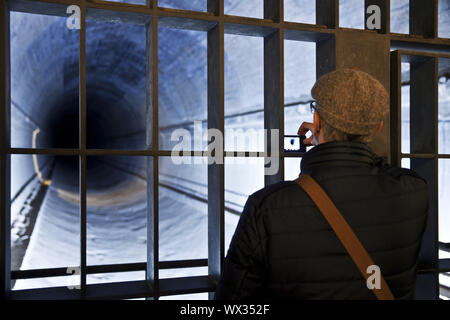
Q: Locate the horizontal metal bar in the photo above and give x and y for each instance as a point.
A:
(412, 55)
(443, 266)
(168, 153)
(114, 290)
(124, 267)
(53, 293)
(293, 154)
(56, 152)
(192, 263)
(53, 8)
(444, 246)
(425, 155)
(185, 285)
(39, 273)
(204, 20)
(124, 152)
(119, 290)
(419, 155)
(444, 290)
(121, 16)
(411, 42)
(293, 33)
(186, 23)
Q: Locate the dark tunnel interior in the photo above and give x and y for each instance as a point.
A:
(45, 114)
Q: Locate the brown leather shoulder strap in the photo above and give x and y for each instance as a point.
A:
(343, 231)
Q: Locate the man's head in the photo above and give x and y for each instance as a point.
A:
(350, 106)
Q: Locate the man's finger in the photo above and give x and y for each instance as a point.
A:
(308, 141)
(304, 128)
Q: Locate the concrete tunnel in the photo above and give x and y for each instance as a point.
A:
(44, 94)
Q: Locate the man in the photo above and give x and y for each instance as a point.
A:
(283, 248)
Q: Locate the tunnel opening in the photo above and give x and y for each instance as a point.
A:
(115, 97)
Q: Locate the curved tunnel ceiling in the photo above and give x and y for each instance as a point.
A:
(44, 92)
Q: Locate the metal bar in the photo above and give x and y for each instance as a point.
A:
(82, 144)
(217, 24)
(425, 155)
(423, 101)
(325, 56)
(174, 264)
(426, 283)
(216, 199)
(424, 46)
(186, 285)
(112, 152)
(291, 33)
(54, 8)
(444, 246)
(444, 265)
(327, 13)
(152, 268)
(419, 155)
(395, 108)
(56, 152)
(423, 18)
(274, 92)
(273, 10)
(5, 158)
(423, 119)
(119, 290)
(215, 7)
(274, 105)
(124, 267)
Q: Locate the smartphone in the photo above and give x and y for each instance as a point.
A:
(294, 144)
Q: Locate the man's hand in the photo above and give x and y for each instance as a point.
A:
(304, 128)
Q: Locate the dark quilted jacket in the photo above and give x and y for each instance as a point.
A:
(283, 247)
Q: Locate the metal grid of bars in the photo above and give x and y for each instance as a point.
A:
(424, 155)
(330, 48)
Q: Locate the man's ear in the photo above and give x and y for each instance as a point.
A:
(316, 127)
(380, 126)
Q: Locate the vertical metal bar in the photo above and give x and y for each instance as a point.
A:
(273, 10)
(274, 92)
(216, 246)
(423, 119)
(396, 108)
(385, 8)
(423, 100)
(215, 7)
(423, 18)
(325, 56)
(152, 271)
(82, 146)
(327, 13)
(5, 157)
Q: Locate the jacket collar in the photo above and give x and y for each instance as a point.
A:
(339, 154)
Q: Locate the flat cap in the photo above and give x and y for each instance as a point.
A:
(351, 101)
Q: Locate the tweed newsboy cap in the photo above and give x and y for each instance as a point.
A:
(351, 101)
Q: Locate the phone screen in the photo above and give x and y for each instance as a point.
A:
(294, 144)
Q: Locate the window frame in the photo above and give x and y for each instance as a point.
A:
(274, 30)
